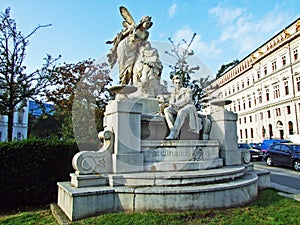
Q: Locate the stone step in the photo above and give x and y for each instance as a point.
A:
(170, 178)
(78, 203)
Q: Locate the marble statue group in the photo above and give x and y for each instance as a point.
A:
(138, 62)
(170, 159)
(139, 65)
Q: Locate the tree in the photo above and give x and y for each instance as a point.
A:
(45, 126)
(224, 67)
(183, 69)
(17, 86)
(80, 92)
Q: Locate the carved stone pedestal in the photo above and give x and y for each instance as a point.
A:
(224, 129)
(124, 119)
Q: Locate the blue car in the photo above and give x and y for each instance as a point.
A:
(286, 154)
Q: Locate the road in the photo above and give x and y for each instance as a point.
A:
(283, 177)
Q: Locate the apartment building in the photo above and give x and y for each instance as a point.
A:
(265, 88)
(20, 126)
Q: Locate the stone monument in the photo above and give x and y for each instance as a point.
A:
(186, 161)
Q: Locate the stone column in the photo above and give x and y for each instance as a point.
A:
(224, 129)
(124, 118)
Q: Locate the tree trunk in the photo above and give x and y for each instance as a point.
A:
(10, 124)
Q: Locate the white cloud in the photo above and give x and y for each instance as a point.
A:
(244, 30)
(204, 51)
(172, 10)
(226, 15)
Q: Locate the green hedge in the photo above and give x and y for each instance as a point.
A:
(30, 170)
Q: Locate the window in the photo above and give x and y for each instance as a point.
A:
(298, 83)
(243, 84)
(285, 148)
(240, 120)
(265, 70)
(225, 93)
(246, 133)
(260, 98)
(19, 136)
(295, 53)
(250, 119)
(251, 132)
(270, 131)
(20, 116)
(288, 109)
(233, 89)
(278, 112)
(269, 114)
(239, 106)
(258, 74)
(244, 104)
(261, 115)
(248, 81)
(286, 87)
(291, 129)
(276, 91)
(249, 102)
(237, 87)
(274, 66)
(267, 95)
(253, 79)
(241, 134)
(245, 120)
(283, 58)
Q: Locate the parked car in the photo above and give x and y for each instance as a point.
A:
(255, 145)
(256, 154)
(267, 142)
(287, 154)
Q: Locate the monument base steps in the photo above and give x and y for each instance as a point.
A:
(228, 186)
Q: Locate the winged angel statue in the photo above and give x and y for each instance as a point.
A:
(128, 45)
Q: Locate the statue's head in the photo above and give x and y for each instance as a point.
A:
(177, 81)
(146, 22)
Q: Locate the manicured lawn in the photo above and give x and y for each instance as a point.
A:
(269, 208)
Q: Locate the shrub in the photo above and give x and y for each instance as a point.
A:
(30, 170)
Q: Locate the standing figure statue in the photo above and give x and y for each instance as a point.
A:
(180, 109)
(126, 44)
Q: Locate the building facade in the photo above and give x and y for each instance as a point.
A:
(265, 88)
(20, 126)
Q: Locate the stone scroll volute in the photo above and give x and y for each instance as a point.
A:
(99, 162)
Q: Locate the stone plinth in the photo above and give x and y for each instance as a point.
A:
(124, 119)
(224, 129)
(206, 189)
(178, 155)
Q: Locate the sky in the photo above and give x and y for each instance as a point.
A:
(226, 30)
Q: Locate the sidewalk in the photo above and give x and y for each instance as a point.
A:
(286, 191)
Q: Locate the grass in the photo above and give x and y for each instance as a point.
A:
(269, 208)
